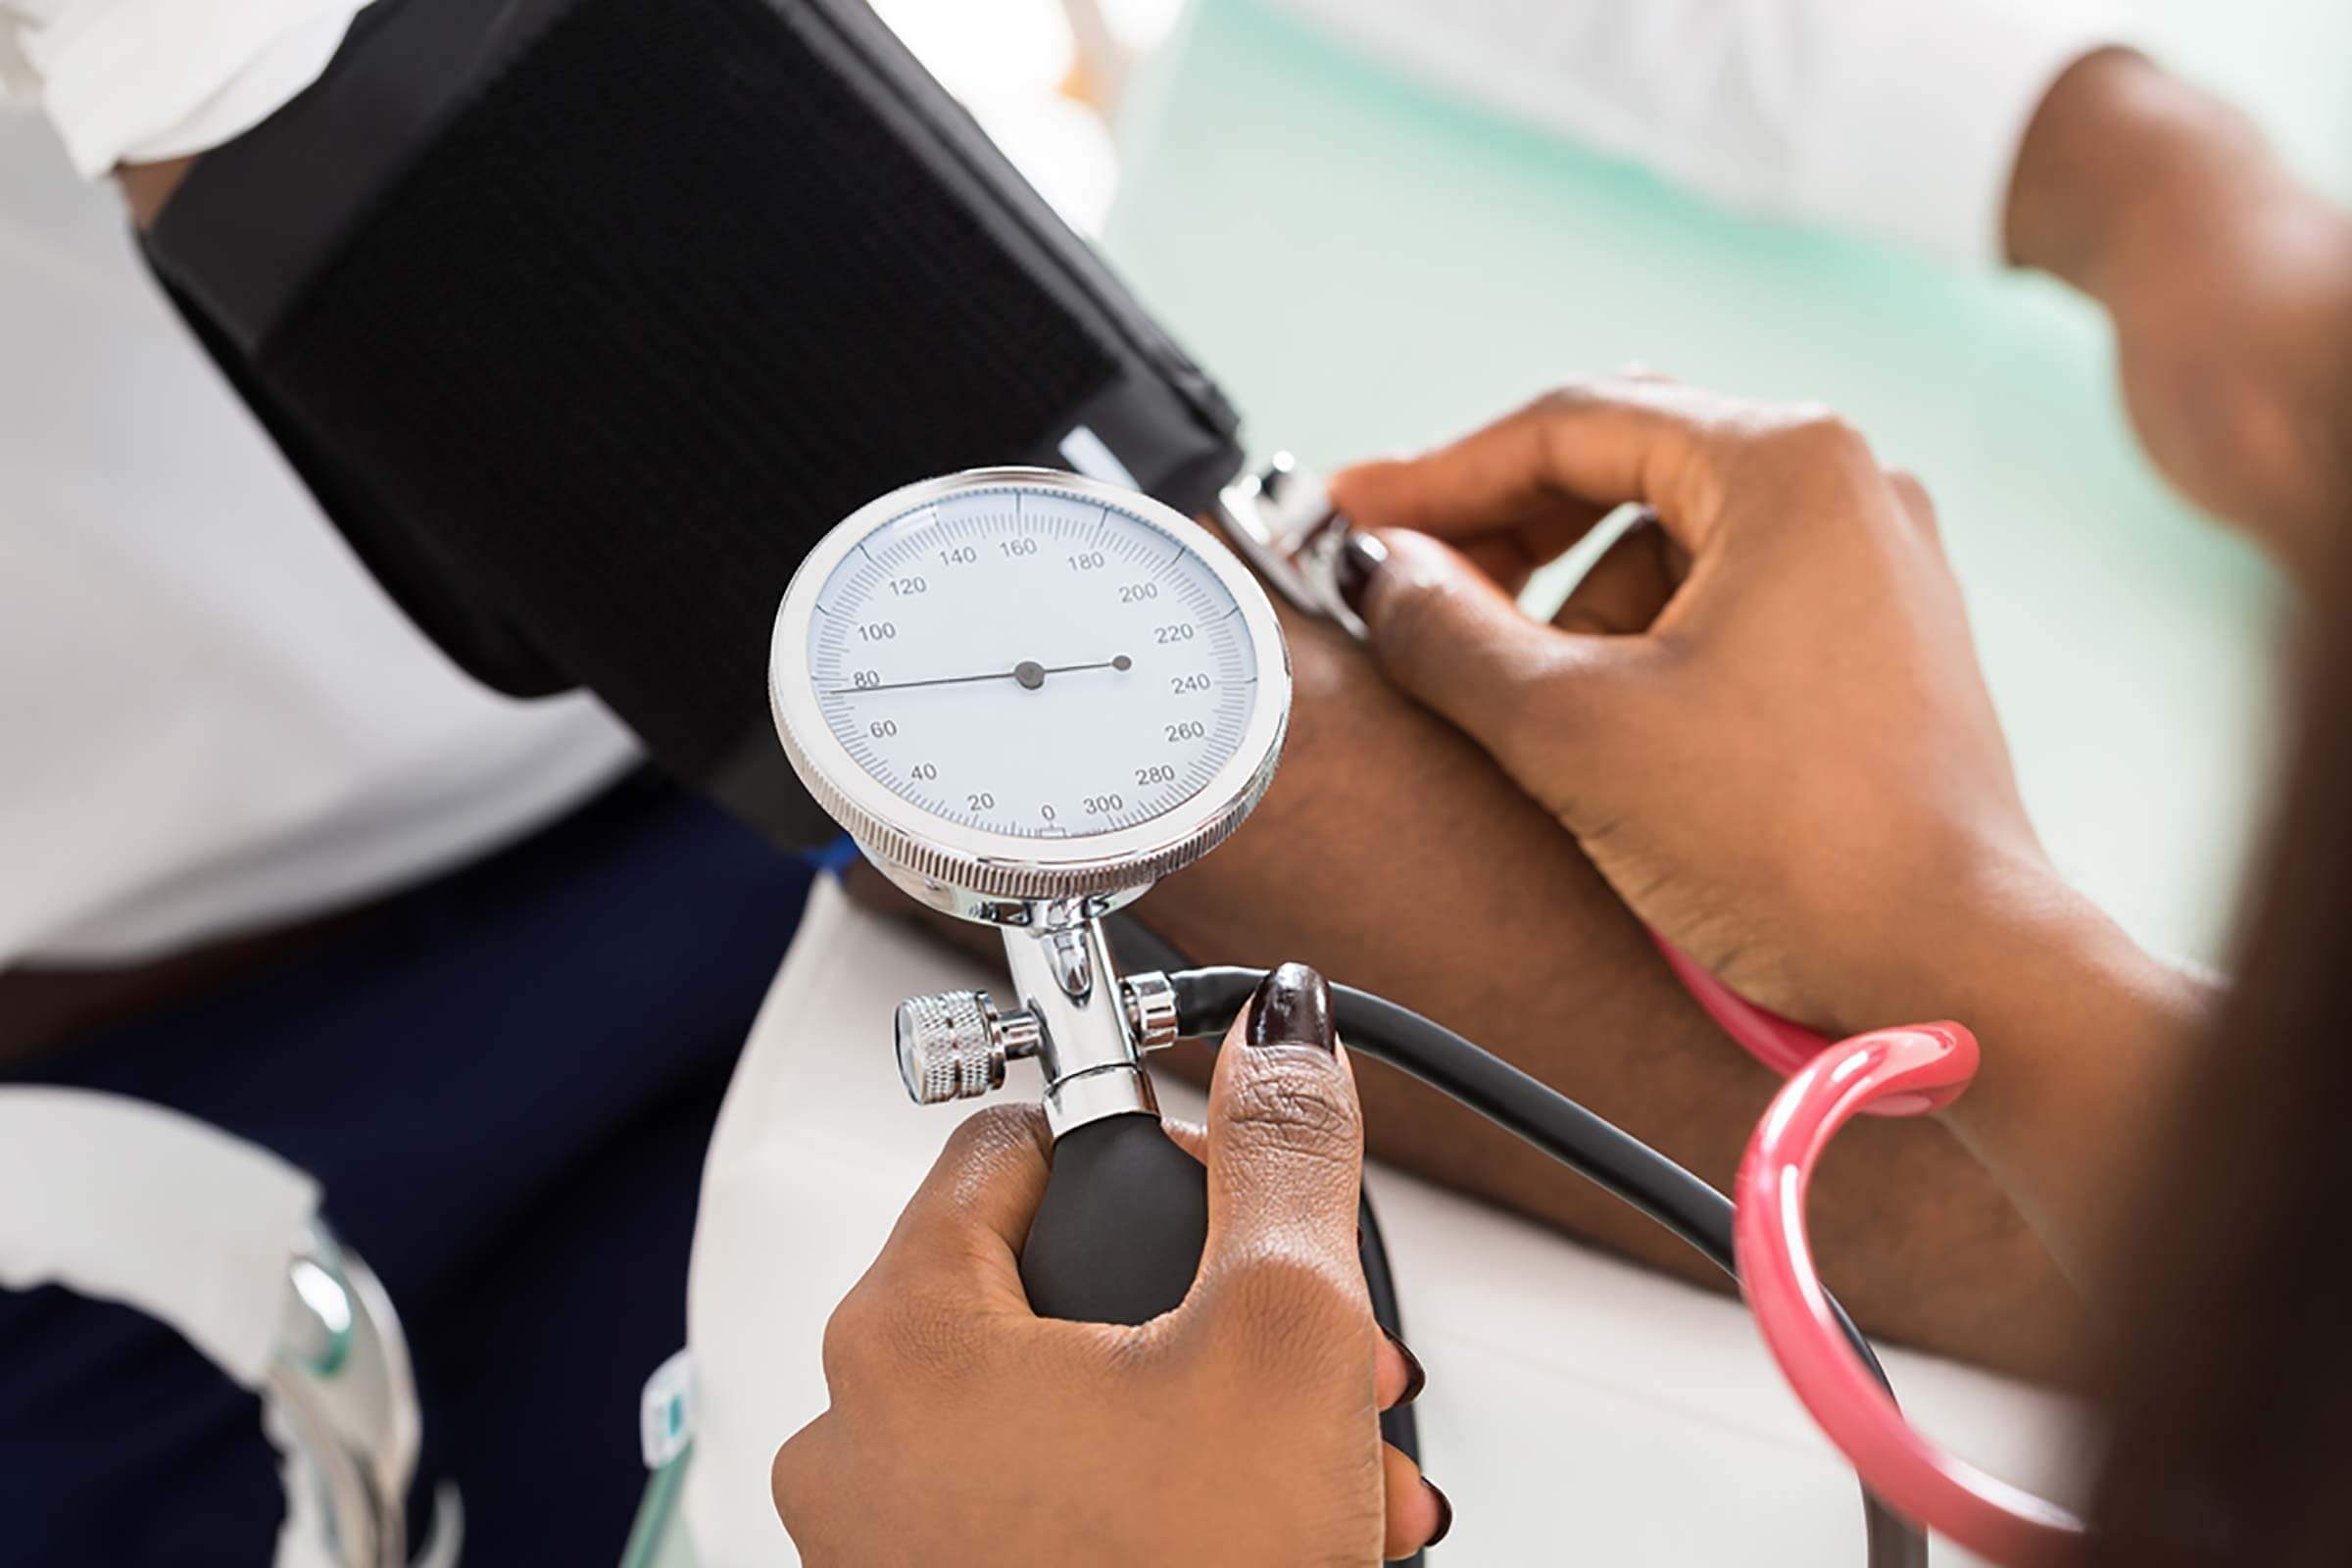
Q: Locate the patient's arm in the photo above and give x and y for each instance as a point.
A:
(1392, 853)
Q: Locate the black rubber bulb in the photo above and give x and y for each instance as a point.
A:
(1119, 1234)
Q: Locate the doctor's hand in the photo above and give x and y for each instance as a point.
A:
(1761, 717)
(1242, 1427)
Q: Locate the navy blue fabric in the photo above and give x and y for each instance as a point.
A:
(505, 1081)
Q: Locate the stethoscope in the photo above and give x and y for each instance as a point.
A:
(224, 1241)
(1027, 696)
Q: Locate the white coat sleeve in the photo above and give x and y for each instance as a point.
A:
(1900, 118)
(127, 82)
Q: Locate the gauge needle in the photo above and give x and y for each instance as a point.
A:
(1028, 672)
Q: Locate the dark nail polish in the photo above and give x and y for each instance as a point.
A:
(1292, 1008)
(1415, 1379)
(1445, 1513)
(1361, 556)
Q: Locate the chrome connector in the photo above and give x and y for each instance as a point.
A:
(1150, 1004)
(1091, 1095)
(1281, 519)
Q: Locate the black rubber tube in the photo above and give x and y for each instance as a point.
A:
(1208, 1001)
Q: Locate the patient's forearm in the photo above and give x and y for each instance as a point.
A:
(1392, 855)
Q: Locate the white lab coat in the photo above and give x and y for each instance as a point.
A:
(1895, 118)
(211, 718)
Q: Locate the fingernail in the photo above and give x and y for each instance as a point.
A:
(1360, 557)
(1415, 1379)
(1292, 1008)
(1444, 1512)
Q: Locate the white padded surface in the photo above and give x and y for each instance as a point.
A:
(1577, 1410)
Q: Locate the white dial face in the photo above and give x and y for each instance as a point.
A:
(1032, 663)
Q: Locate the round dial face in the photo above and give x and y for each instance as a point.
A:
(1033, 662)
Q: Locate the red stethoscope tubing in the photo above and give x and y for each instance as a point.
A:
(1887, 1073)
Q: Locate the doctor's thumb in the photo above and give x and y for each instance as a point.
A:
(1444, 633)
(1284, 1144)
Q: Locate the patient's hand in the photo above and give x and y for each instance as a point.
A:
(1392, 853)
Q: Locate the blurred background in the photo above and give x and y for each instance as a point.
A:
(1045, 76)
(1368, 262)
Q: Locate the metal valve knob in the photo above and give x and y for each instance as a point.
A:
(953, 1045)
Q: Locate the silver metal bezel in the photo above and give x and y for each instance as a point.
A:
(951, 855)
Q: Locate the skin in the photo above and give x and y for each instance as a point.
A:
(1253, 1405)
(1778, 830)
(1486, 918)
(1838, 838)
(1439, 882)
(2230, 284)
(1455, 876)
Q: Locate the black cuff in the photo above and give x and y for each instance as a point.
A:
(585, 318)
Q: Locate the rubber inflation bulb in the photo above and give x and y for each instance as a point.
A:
(1119, 1234)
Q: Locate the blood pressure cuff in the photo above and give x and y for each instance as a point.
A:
(584, 318)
